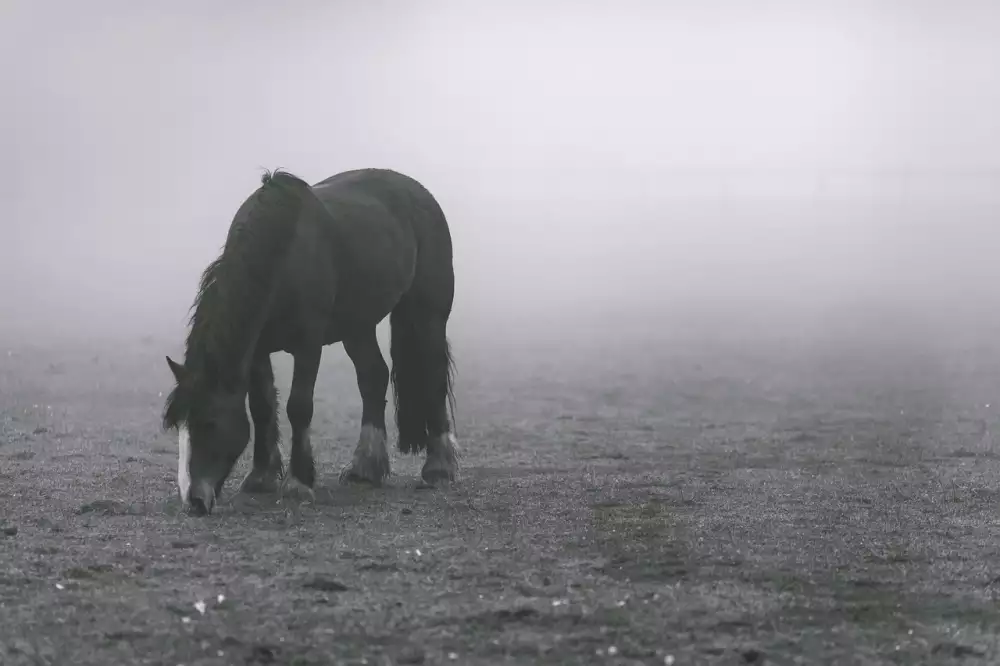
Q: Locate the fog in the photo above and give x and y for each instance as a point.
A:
(608, 168)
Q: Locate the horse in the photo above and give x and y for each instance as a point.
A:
(304, 267)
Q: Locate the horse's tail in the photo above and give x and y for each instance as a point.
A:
(423, 373)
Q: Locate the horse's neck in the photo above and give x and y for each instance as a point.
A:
(255, 329)
(231, 356)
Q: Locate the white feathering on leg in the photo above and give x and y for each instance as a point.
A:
(372, 443)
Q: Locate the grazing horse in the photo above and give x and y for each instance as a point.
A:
(304, 267)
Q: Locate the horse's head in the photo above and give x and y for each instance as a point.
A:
(213, 430)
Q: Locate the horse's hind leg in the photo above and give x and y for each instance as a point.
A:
(421, 364)
(301, 474)
(263, 398)
(442, 455)
(370, 463)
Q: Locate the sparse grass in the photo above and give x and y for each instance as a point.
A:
(720, 506)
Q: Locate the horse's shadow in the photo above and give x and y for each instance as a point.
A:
(393, 491)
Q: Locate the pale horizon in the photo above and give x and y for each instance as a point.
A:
(613, 161)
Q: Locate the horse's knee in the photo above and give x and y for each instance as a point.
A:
(262, 394)
(262, 402)
(299, 409)
(373, 379)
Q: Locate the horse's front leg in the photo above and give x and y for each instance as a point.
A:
(301, 474)
(267, 469)
(370, 463)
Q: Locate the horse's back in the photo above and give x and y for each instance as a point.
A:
(401, 195)
(412, 204)
(387, 235)
(366, 179)
(374, 197)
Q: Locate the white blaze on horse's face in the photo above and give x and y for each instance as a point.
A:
(183, 462)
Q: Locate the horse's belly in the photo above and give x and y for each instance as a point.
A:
(343, 283)
(379, 269)
(366, 299)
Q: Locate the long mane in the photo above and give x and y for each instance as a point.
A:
(234, 289)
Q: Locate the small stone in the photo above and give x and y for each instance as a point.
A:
(10, 530)
(411, 655)
(323, 584)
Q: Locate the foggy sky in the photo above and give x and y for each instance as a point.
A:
(635, 161)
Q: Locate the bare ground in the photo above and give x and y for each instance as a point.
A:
(823, 504)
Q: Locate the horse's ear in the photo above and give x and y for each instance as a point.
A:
(179, 371)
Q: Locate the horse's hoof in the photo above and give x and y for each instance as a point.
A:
(293, 489)
(260, 482)
(441, 466)
(371, 471)
(351, 476)
(438, 473)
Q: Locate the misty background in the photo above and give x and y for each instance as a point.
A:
(622, 168)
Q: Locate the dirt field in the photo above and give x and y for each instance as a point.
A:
(782, 504)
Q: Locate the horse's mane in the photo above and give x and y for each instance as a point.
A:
(234, 288)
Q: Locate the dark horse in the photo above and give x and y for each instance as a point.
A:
(304, 267)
